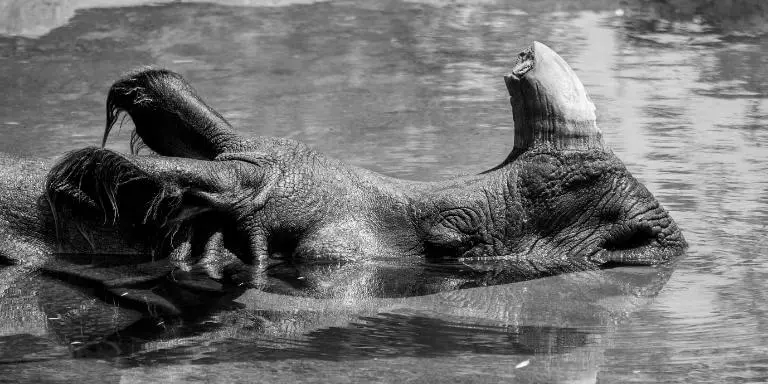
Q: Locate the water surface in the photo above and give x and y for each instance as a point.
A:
(415, 90)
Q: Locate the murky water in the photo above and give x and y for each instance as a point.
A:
(414, 90)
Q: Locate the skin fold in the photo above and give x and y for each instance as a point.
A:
(209, 213)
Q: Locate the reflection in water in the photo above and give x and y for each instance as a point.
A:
(36, 18)
(564, 323)
(413, 89)
(387, 336)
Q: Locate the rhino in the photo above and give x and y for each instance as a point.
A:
(208, 213)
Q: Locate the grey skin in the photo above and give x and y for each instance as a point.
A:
(216, 209)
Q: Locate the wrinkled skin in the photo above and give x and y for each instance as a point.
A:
(224, 210)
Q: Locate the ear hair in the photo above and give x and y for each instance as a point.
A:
(99, 184)
(129, 90)
(91, 181)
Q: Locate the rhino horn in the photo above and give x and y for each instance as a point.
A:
(549, 103)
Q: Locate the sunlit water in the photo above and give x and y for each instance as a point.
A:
(415, 90)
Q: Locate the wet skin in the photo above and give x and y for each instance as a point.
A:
(222, 210)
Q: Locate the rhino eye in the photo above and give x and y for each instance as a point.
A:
(440, 250)
(446, 243)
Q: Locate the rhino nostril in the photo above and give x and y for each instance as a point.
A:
(629, 238)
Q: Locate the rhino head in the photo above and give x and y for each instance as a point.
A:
(274, 214)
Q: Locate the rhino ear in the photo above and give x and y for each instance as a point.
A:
(549, 103)
(168, 115)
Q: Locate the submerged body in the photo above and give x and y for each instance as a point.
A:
(217, 212)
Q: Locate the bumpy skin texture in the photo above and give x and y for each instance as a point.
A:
(274, 214)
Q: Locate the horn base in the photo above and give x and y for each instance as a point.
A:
(549, 104)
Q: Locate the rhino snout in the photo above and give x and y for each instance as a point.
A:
(652, 239)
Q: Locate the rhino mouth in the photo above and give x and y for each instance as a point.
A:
(626, 245)
(639, 245)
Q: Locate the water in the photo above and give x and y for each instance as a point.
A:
(415, 90)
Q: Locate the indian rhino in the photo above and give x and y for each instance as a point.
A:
(210, 208)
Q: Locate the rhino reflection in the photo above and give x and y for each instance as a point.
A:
(395, 335)
(574, 314)
(570, 319)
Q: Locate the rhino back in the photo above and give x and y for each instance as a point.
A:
(25, 229)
